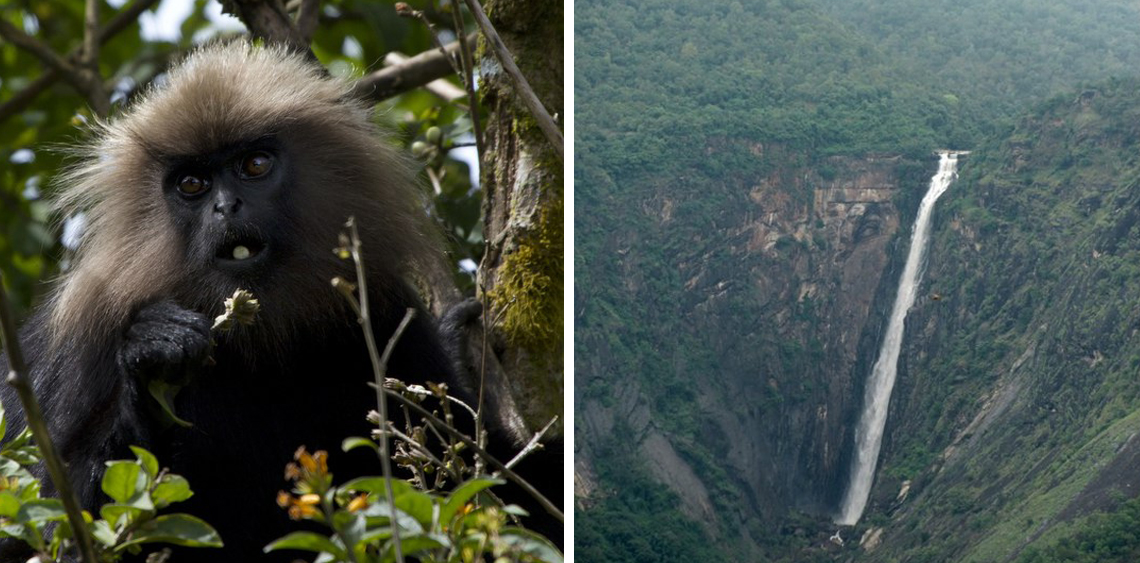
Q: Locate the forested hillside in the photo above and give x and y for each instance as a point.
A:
(744, 173)
(1000, 56)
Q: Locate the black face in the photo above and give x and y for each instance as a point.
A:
(229, 205)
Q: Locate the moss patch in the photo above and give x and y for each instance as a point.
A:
(530, 287)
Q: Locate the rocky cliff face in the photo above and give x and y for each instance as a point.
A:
(775, 296)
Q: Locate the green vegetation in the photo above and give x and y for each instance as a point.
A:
(128, 523)
(1102, 538)
(636, 520)
(999, 57)
(701, 125)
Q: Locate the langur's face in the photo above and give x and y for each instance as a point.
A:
(231, 206)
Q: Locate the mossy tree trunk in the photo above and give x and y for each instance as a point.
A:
(523, 208)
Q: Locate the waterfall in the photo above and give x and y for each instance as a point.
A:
(877, 395)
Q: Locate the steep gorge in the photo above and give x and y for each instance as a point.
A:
(777, 300)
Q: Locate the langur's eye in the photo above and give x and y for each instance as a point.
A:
(256, 164)
(192, 185)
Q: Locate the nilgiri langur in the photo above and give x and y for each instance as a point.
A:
(237, 171)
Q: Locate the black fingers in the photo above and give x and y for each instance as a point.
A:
(165, 342)
(461, 314)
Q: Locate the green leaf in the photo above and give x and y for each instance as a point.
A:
(120, 515)
(164, 393)
(462, 494)
(40, 511)
(147, 461)
(308, 541)
(354, 442)
(416, 543)
(13, 531)
(103, 533)
(171, 489)
(515, 510)
(9, 504)
(177, 529)
(380, 514)
(120, 482)
(350, 528)
(418, 505)
(531, 544)
(376, 485)
(21, 449)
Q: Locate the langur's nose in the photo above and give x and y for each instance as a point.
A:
(226, 205)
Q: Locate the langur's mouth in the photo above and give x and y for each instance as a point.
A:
(241, 251)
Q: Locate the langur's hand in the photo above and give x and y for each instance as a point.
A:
(165, 342)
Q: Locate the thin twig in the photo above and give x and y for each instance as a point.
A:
(425, 452)
(469, 84)
(423, 392)
(532, 445)
(24, 98)
(379, 369)
(545, 122)
(405, 11)
(17, 378)
(507, 472)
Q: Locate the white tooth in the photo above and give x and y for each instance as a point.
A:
(241, 252)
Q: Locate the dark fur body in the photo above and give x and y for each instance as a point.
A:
(248, 417)
(154, 269)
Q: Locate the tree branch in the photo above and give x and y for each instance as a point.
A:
(39, 50)
(443, 89)
(91, 35)
(89, 61)
(412, 73)
(24, 98)
(268, 20)
(88, 84)
(529, 99)
(18, 379)
(308, 15)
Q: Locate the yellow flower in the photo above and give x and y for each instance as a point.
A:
(358, 503)
(304, 506)
(301, 512)
(315, 464)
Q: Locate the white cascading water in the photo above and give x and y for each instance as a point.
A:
(877, 396)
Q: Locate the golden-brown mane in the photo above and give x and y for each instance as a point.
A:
(220, 95)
